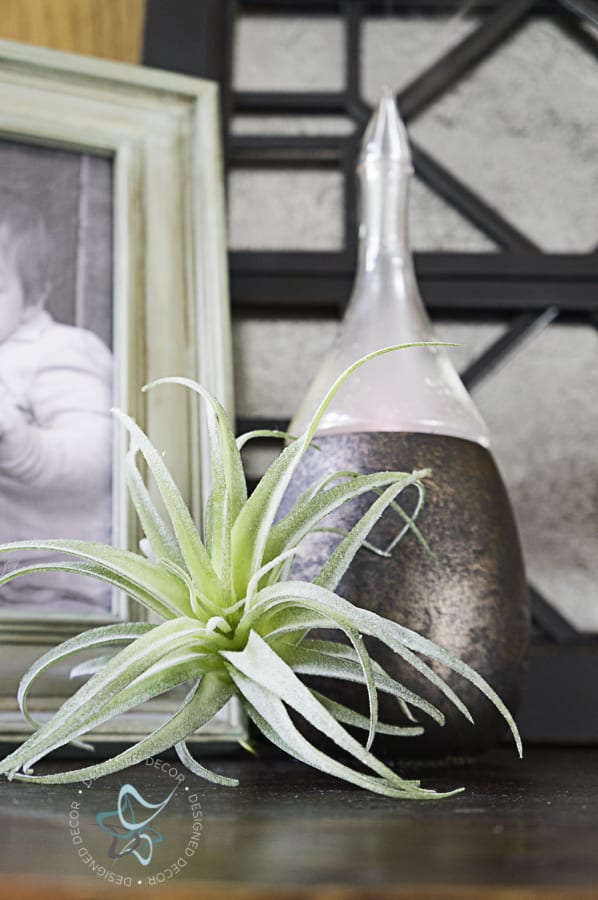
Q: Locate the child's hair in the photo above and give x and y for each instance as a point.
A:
(24, 237)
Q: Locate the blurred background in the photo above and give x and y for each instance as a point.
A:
(501, 101)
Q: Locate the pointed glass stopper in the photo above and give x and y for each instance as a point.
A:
(413, 390)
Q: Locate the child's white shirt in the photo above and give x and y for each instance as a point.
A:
(55, 453)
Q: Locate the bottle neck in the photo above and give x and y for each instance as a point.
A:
(415, 389)
(383, 229)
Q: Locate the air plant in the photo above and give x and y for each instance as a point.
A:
(235, 623)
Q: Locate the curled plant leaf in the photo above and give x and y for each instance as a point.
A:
(234, 623)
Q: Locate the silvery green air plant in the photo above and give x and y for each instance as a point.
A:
(235, 624)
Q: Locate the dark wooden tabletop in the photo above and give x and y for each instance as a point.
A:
(521, 829)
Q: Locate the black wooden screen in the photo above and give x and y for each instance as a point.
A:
(522, 283)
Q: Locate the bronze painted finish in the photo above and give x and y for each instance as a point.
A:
(472, 599)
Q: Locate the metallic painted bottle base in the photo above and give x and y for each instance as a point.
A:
(471, 599)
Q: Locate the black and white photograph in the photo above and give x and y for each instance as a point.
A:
(56, 368)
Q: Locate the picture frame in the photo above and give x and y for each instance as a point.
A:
(169, 307)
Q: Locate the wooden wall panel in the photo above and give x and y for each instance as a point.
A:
(107, 28)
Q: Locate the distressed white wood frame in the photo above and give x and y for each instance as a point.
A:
(170, 303)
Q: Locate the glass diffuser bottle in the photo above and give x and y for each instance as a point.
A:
(409, 410)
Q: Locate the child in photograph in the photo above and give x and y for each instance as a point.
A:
(55, 422)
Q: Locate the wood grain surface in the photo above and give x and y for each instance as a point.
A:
(36, 890)
(522, 830)
(112, 29)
